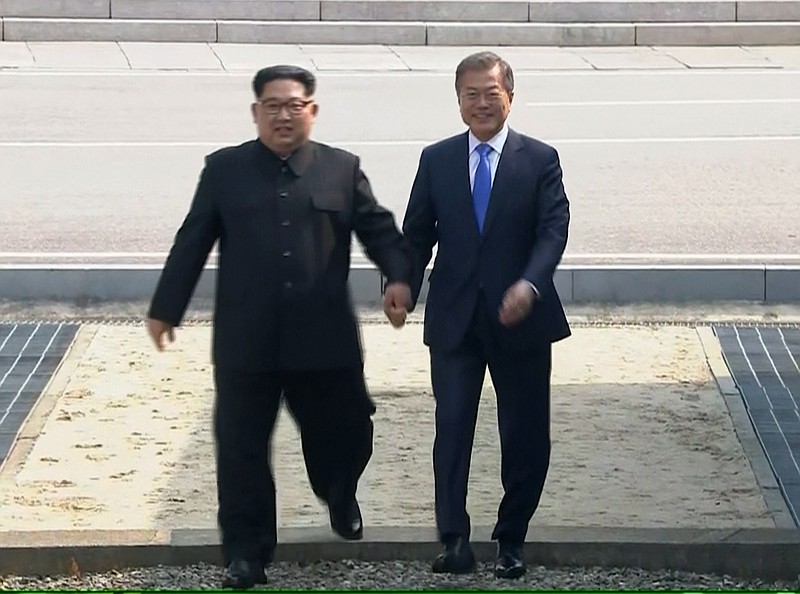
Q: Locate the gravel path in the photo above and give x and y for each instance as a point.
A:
(398, 575)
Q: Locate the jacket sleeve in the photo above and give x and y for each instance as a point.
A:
(377, 231)
(419, 226)
(551, 228)
(188, 255)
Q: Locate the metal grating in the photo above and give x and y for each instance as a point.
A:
(29, 355)
(765, 364)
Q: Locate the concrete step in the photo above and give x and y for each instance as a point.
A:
(403, 33)
(495, 11)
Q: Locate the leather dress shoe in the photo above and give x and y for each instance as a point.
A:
(457, 557)
(346, 520)
(241, 575)
(509, 564)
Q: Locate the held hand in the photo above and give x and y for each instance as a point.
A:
(517, 303)
(157, 330)
(396, 303)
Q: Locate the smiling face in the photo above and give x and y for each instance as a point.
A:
(284, 115)
(484, 100)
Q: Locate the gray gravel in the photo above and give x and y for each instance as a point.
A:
(397, 575)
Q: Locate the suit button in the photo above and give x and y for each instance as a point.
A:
(284, 223)
(287, 284)
(284, 169)
(283, 195)
(286, 254)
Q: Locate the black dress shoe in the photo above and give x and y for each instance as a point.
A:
(241, 575)
(346, 519)
(457, 557)
(509, 564)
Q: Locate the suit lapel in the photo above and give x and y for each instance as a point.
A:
(503, 178)
(462, 187)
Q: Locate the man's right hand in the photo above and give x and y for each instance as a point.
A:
(157, 330)
(396, 303)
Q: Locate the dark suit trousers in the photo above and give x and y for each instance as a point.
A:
(522, 384)
(332, 411)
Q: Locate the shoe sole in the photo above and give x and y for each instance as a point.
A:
(510, 574)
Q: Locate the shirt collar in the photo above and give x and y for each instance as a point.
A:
(497, 142)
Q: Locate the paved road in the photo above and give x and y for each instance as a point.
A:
(656, 162)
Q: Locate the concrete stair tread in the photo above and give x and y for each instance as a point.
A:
(404, 33)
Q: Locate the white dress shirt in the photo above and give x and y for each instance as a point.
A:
(497, 143)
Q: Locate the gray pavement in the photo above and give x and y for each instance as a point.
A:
(658, 163)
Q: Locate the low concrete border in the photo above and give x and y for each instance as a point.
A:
(607, 283)
(768, 554)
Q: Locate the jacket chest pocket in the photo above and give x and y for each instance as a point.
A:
(331, 206)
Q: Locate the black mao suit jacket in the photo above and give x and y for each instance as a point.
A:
(284, 230)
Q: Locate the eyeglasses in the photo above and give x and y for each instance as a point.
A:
(294, 106)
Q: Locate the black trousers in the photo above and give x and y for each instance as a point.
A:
(522, 385)
(332, 410)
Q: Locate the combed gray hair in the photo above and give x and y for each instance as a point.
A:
(483, 61)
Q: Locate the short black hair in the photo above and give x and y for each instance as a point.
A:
(486, 61)
(283, 72)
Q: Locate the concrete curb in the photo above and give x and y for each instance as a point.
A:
(599, 283)
(403, 33)
(747, 553)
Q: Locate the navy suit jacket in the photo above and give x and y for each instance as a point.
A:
(524, 237)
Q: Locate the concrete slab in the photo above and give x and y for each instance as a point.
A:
(182, 56)
(446, 58)
(74, 9)
(785, 56)
(716, 57)
(530, 34)
(107, 30)
(381, 58)
(309, 32)
(768, 10)
(79, 55)
(425, 10)
(354, 62)
(629, 58)
(251, 57)
(718, 34)
(271, 10)
(15, 54)
(610, 11)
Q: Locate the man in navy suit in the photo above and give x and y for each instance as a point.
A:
(494, 201)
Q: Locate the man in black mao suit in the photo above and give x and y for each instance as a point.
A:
(283, 209)
(494, 202)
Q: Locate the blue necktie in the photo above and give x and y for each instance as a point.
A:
(482, 186)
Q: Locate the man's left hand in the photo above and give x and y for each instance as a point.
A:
(517, 303)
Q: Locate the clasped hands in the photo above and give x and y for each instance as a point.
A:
(515, 306)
